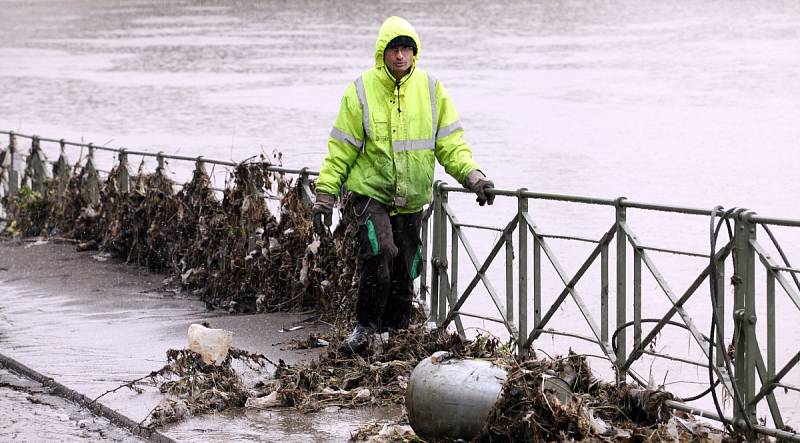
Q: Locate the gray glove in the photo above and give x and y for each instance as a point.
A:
(322, 211)
(478, 183)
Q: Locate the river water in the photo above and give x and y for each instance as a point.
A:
(691, 103)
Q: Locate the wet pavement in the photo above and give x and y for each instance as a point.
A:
(92, 325)
(29, 413)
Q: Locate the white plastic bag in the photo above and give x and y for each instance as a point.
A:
(273, 400)
(211, 344)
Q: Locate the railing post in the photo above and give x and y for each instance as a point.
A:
(305, 184)
(161, 164)
(36, 168)
(720, 307)
(13, 175)
(770, 324)
(537, 282)
(637, 297)
(123, 175)
(744, 317)
(453, 265)
(522, 285)
(92, 182)
(27, 171)
(423, 270)
(604, 292)
(443, 263)
(509, 276)
(255, 195)
(622, 247)
(436, 251)
(199, 169)
(61, 169)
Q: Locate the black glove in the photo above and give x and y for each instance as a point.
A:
(322, 211)
(478, 183)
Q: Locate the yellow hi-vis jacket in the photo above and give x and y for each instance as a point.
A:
(386, 137)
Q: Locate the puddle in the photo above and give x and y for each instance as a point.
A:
(283, 425)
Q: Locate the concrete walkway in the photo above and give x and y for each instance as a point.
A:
(92, 325)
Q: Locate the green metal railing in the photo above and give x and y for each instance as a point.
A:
(35, 172)
(447, 302)
(522, 246)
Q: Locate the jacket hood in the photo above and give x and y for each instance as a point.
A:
(391, 28)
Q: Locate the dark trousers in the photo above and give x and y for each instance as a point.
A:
(389, 253)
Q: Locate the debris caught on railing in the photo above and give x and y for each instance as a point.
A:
(597, 410)
(234, 253)
(238, 254)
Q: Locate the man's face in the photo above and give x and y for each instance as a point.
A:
(398, 60)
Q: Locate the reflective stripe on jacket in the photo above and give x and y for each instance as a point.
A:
(385, 139)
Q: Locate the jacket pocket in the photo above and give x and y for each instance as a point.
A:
(416, 263)
(382, 130)
(368, 245)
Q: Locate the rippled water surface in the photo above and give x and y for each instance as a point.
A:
(653, 100)
(692, 103)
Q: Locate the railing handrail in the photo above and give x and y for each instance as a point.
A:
(160, 154)
(625, 203)
(619, 201)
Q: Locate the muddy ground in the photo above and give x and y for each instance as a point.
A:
(93, 323)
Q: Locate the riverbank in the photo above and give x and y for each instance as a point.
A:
(93, 323)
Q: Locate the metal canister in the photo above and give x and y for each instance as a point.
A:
(451, 398)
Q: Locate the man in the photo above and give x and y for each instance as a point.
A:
(393, 122)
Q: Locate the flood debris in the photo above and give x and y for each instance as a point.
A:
(29, 213)
(385, 431)
(529, 410)
(595, 410)
(240, 254)
(310, 342)
(211, 344)
(271, 400)
(236, 253)
(379, 378)
(90, 245)
(192, 387)
(290, 329)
